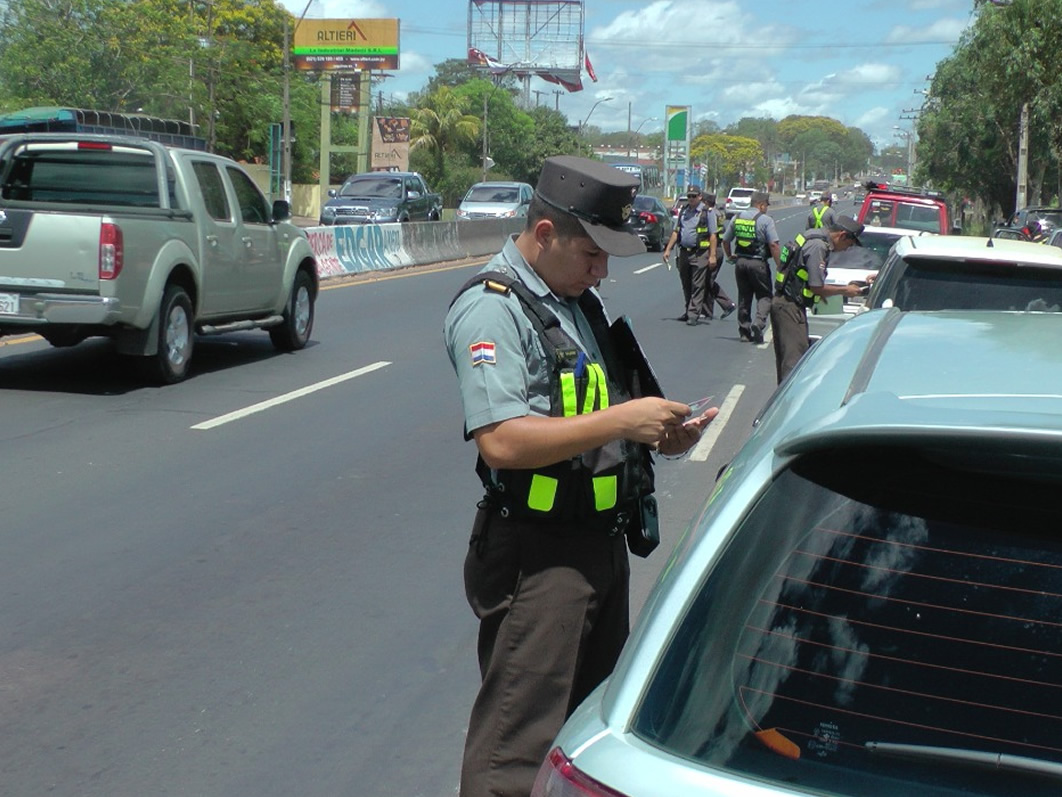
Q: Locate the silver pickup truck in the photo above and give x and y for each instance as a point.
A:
(146, 244)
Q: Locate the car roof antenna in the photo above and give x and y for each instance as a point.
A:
(990, 245)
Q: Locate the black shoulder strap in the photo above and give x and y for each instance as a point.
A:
(544, 321)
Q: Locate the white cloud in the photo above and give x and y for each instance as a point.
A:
(339, 9)
(943, 30)
(872, 118)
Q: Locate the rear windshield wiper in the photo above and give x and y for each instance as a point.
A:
(999, 761)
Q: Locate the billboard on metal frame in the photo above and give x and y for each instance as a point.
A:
(528, 37)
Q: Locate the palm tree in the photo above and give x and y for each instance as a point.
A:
(441, 126)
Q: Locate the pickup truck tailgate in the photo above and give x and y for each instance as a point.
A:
(49, 251)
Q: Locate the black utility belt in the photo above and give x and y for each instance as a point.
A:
(613, 522)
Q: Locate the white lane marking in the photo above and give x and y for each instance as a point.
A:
(768, 338)
(303, 391)
(703, 448)
(650, 267)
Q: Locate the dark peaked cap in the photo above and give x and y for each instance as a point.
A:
(598, 195)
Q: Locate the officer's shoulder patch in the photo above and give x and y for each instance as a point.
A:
(482, 353)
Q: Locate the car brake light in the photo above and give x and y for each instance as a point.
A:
(111, 253)
(93, 145)
(648, 218)
(559, 777)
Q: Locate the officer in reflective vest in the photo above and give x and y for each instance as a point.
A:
(801, 282)
(696, 235)
(821, 215)
(551, 400)
(750, 239)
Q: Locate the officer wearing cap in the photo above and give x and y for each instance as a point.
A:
(563, 442)
(751, 239)
(802, 282)
(821, 214)
(696, 234)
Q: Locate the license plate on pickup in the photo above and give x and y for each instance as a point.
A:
(8, 304)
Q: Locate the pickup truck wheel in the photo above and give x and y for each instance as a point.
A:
(176, 337)
(294, 332)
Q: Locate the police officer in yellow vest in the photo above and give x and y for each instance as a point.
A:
(696, 236)
(821, 214)
(751, 239)
(551, 398)
(801, 282)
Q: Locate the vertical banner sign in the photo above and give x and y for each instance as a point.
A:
(676, 147)
(390, 143)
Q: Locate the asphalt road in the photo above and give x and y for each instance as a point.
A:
(202, 594)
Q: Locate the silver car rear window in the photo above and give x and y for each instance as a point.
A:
(912, 604)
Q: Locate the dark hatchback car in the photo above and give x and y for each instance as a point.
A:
(650, 221)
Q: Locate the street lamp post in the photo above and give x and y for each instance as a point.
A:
(497, 78)
(630, 136)
(582, 127)
(908, 136)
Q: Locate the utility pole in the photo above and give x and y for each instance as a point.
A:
(1021, 197)
(285, 132)
(538, 95)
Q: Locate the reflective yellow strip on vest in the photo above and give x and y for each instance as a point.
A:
(543, 493)
(606, 489)
(591, 389)
(602, 386)
(568, 393)
(818, 213)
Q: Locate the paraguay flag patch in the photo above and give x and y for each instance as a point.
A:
(482, 353)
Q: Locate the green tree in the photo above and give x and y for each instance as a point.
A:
(442, 126)
(968, 130)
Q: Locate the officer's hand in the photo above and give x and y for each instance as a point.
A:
(853, 289)
(678, 440)
(645, 420)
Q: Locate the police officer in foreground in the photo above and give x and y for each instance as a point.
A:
(802, 282)
(750, 239)
(821, 214)
(559, 405)
(696, 235)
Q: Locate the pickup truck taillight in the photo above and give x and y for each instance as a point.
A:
(110, 251)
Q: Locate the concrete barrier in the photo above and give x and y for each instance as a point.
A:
(359, 248)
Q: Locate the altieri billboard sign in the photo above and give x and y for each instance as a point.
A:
(346, 44)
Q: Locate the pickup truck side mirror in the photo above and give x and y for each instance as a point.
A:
(333, 193)
(281, 210)
(414, 194)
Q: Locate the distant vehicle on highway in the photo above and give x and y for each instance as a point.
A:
(495, 200)
(737, 200)
(650, 221)
(382, 198)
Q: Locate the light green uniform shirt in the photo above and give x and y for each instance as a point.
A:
(512, 380)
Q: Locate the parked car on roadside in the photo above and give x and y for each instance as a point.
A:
(495, 200)
(888, 205)
(867, 603)
(650, 221)
(1049, 217)
(955, 272)
(737, 200)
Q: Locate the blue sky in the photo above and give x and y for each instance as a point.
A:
(863, 63)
